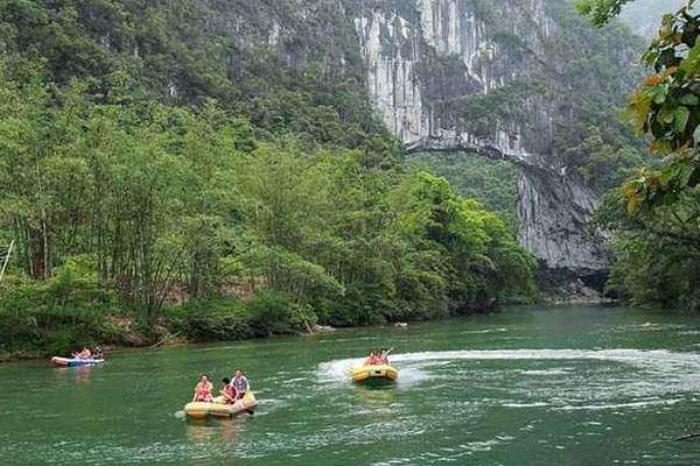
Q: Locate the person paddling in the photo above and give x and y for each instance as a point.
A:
(240, 383)
(229, 393)
(384, 356)
(202, 391)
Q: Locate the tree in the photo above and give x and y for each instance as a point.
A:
(666, 107)
(655, 215)
(601, 11)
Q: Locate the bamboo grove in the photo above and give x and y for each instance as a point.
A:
(133, 220)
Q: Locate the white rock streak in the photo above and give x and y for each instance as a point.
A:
(393, 81)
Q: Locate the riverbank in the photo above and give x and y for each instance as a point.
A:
(42, 331)
(175, 328)
(41, 336)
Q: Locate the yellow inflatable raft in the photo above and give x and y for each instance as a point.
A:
(217, 408)
(380, 374)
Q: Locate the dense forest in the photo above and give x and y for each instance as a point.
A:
(493, 182)
(136, 214)
(155, 184)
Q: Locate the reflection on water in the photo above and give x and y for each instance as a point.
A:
(80, 373)
(214, 438)
(379, 396)
(229, 429)
(200, 431)
(224, 430)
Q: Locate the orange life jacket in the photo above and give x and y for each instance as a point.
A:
(203, 391)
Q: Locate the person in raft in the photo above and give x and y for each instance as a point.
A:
(377, 357)
(202, 391)
(373, 359)
(83, 353)
(384, 356)
(240, 384)
(227, 391)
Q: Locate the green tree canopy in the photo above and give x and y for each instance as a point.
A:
(600, 11)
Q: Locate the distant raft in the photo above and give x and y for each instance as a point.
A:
(374, 375)
(58, 361)
(217, 408)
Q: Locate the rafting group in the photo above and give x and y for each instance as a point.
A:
(231, 390)
(82, 357)
(376, 370)
(235, 397)
(378, 357)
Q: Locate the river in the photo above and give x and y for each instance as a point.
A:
(544, 386)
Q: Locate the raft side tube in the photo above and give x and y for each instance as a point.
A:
(217, 408)
(59, 361)
(374, 374)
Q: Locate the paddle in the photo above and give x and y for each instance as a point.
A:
(386, 353)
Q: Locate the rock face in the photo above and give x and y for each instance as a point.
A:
(426, 64)
(644, 16)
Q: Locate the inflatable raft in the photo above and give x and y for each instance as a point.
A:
(374, 375)
(217, 408)
(58, 361)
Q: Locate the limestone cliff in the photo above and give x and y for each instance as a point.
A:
(428, 61)
(505, 79)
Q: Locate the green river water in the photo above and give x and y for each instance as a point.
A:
(541, 386)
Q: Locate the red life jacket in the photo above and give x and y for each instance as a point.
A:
(230, 392)
(373, 360)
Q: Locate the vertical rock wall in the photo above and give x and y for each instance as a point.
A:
(425, 59)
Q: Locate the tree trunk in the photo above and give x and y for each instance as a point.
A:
(45, 247)
(7, 259)
(37, 266)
